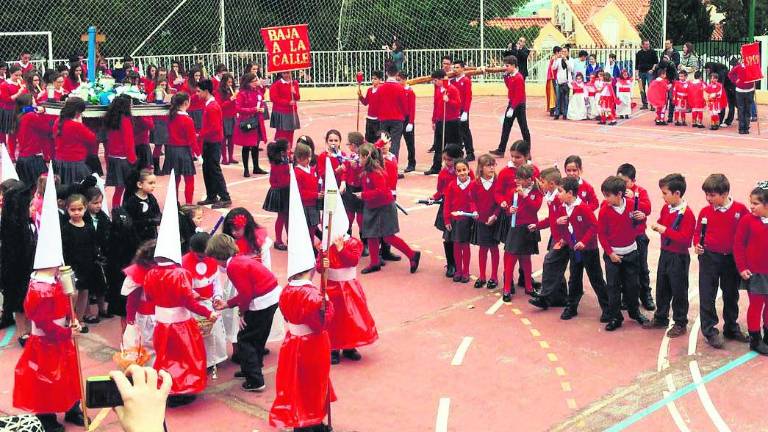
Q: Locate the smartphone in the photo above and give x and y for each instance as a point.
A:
(102, 392)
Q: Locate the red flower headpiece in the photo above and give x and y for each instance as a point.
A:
(240, 221)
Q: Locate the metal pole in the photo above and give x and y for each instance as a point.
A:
(222, 29)
(482, 33)
(663, 24)
(91, 53)
(751, 21)
(50, 50)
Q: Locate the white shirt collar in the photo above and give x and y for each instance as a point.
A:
(209, 101)
(581, 182)
(569, 207)
(463, 185)
(391, 79)
(407, 87)
(764, 219)
(678, 208)
(621, 207)
(550, 196)
(183, 113)
(307, 169)
(487, 183)
(284, 81)
(726, 207)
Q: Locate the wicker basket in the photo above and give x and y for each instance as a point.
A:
(205, 325)
(138, 356)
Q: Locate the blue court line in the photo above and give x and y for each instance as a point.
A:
(9, 332)
(636, 417)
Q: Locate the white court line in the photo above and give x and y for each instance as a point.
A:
(495, 307)
(673, 411)
(706, 401)
(441, 424)
(248, 180)
(461, 351)
(701, 390)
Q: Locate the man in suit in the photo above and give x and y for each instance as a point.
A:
(521, 53)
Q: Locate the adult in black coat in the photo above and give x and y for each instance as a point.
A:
(520, 52)
(730, 89)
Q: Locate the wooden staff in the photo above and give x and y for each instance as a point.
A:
(470, 71)
(66, 274)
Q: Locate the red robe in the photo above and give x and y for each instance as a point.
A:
(47, 380)
(352, 324)
(177, 338)
(302, 382)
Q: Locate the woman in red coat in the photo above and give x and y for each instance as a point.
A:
(284, 94)
(226, 96)
(302, 384)
(72, 140)
(249, 105)
(352, 324)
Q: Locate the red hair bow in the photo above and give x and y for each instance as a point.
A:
(240, 221)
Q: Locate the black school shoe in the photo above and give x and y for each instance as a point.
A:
(479, 283)
(351, 354)
(492, 284)
(647, 302)
(415, 262)
(387, 255)
(640, 318)
(254, 387)
(450, 271)
(175, 401)
(613, 325)
(371, 269)
(335, 357)
(506, 298)
(741, 337)
(568, 313)
(539, 302)
(49, 423)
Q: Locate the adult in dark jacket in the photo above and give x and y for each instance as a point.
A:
(520, 52)
(730, 90)
(645, 63)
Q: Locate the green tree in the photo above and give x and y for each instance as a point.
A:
(735, 22)
(688, 21)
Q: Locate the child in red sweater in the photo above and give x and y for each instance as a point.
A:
(350, 186)
(616, 234)
(379, 212)
(459, 212)
(447, 174)
(525, 201)
(576, 224)
(306, 178)
(371, 100)
(750, 250)
(486, 225)
(586, 193)
(640, 205)
(675, 224)
(121, 151)
(715, 231)
(276, 200)
(182, 143)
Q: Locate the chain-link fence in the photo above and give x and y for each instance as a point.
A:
(346, 35)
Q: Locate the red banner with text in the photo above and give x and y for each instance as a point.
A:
(287, 48)
(750, 53)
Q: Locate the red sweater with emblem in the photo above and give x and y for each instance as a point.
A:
(204, 273)
(587, 195)
(458, 199)
(584, 224)
(141, 128)
(515, 89)
(376, 192)
(750, 246)
(677, 239)
(615, 229)
(721, 227)
(280, 95)
(484, 199)
(213, 126)
(371, 100)
(308, 185)
(181, 131)
(464, 84)
(452, 108)
(527, 206)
